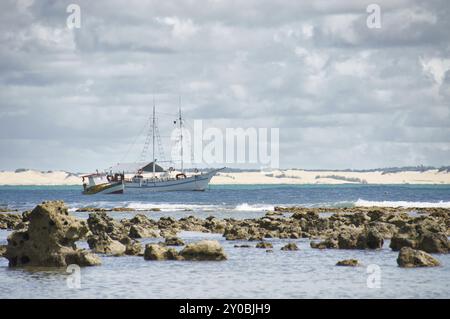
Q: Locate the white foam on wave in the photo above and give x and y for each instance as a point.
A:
(339, 204)
(369, 203)
(245, 207)
(143, 206)
(169, 207)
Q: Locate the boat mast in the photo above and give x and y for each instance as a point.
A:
(181, 134)
(153, 138)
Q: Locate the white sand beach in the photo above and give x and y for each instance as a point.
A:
(333, 177)
(32, 177)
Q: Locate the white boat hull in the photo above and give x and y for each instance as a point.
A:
(117, 189)
(192, 183)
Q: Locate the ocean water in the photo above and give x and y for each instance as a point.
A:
(248, 272)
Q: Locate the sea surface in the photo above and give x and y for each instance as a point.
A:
(248, 272)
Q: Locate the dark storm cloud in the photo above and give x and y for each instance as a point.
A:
(342, 94)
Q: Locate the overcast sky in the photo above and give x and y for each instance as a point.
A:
(342, 94)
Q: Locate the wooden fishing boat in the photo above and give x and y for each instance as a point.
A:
(99, 183)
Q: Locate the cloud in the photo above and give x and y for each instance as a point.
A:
(343, 95)
(181, 29)
(436, 67)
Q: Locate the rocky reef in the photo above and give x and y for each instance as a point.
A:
(47, 234)
(290, 246)
(49, 239)
(10, 221)
(173, 241)
(2, 250)
(160, 252)
(410, 258)
(203, 250)
(348, 263)
(111, 237)
(198, 251)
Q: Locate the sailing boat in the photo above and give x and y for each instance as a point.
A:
(170, 180)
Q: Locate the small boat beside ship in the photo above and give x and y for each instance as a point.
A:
(101, 183)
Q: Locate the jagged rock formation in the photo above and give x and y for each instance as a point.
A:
(264, 244)
(49, 240)
(160, 252)
(409, 258)
(199, 251)
(290, 246)
(10, 221)
(173, 241)
(203, 250)
(110, 237)
(348, 263)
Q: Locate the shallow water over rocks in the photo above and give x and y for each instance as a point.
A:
(248, 272)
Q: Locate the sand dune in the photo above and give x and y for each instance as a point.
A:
(31, 177)
(332, 177)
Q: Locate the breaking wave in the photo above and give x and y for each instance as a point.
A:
(369, 203)
(142, 206)
(245, 207)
